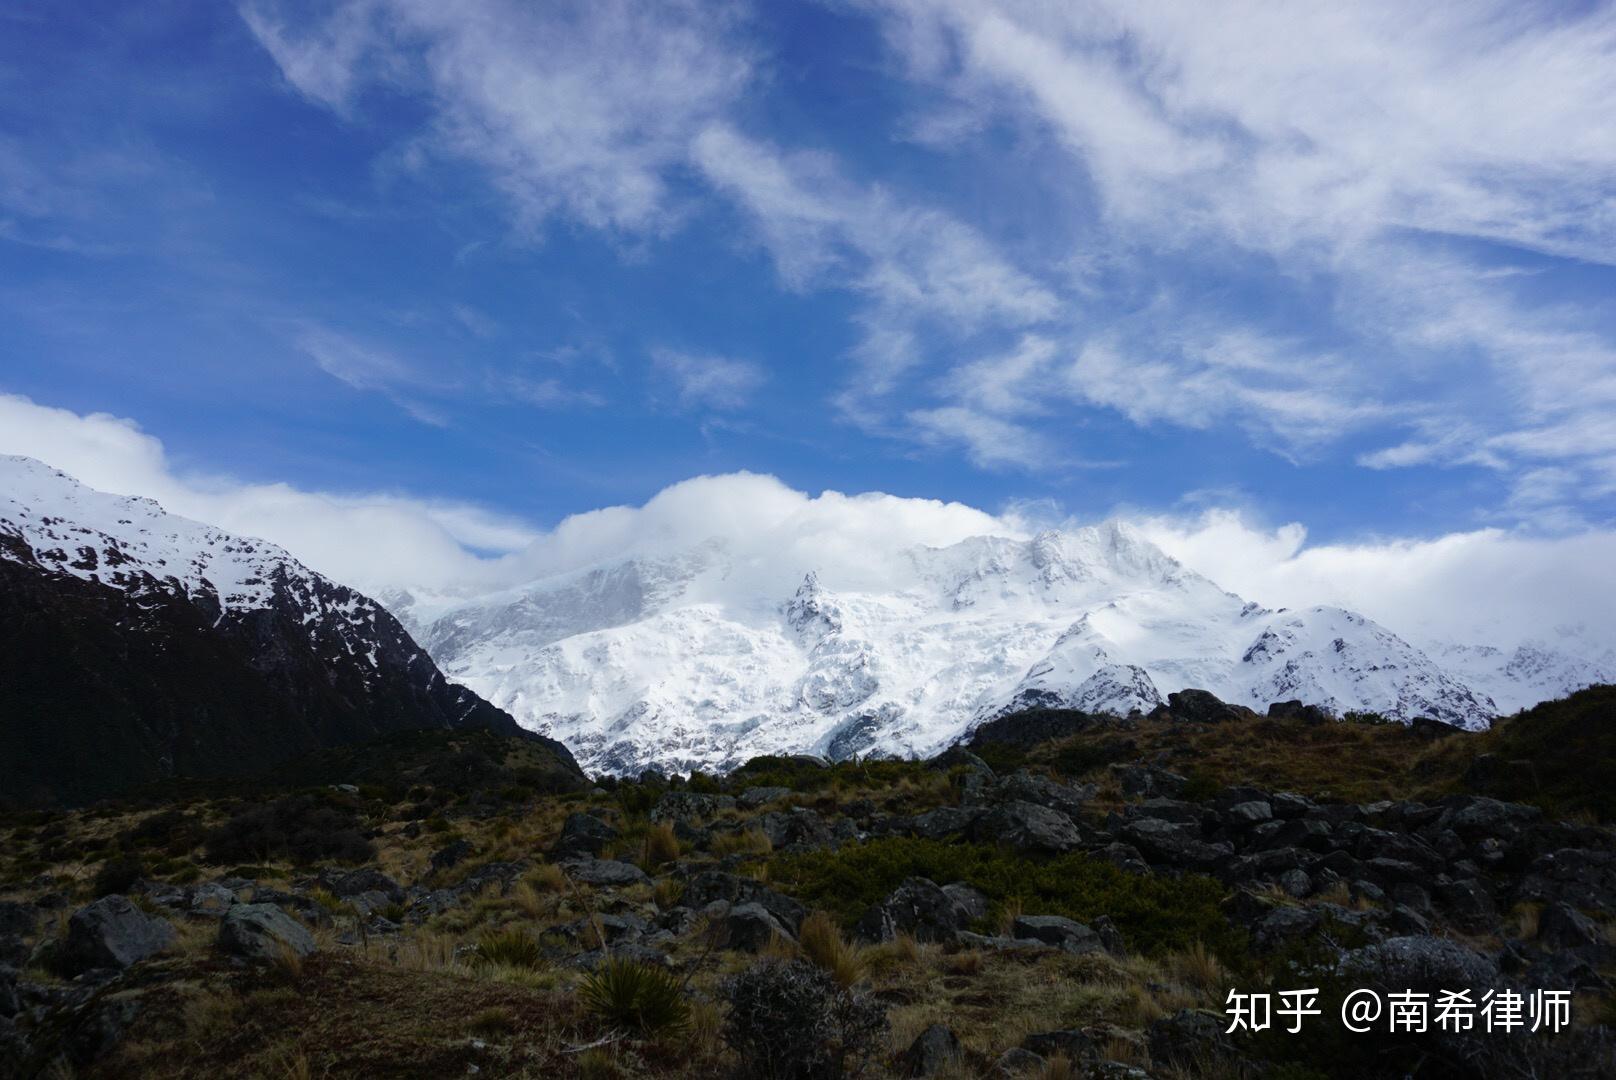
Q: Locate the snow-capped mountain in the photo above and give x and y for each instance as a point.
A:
(137, 645)
(682, 661)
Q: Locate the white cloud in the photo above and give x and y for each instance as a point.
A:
(923, 274)
(1332, 151)
(373, 540)
(581, 108)
(702, 380)
(989, 441)
(910, 261)
(1285, 396)
(1284, 125)
(1488, 585)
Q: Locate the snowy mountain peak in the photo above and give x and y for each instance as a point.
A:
(737, 658)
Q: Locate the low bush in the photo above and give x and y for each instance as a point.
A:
(1154, 913)
(118, 875)
(301, 828)
(788, 1020)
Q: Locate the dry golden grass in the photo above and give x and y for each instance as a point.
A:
(1526, 917)
(659, 846)
(743, 842)
(547, 877)
(287, 965)
(666, 892)
(210, 1012)
(1059, 1067)
(1009, 912)
(1199, 968)
(706, 1027)
(823, 945)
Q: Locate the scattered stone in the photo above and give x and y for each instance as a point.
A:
(111, 933)
(1295, 710)
(1420, 962)
(1198, 707)
(1148, 781)
(211, 900)
(1190, 1039)
(1017, 1062)
(943, 822)
(713, 886)
(605, 872)
(969, 904)
(1250, 813)
(750, 928)
(1561, 926)
(754, 797)
(583, 834)
(689, 806)
(1072, 1043)
(934, 1050)
(918, 908)
(1029, 827)
(1175, 845)
(348, 884)
(1067, 934)
(450, 855)
(263, 932)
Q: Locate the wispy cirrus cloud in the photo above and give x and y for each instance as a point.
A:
(706, 381)
(582, 109)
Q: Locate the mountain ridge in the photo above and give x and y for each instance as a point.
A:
(137, 646)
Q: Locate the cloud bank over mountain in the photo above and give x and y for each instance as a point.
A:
(1489, 584)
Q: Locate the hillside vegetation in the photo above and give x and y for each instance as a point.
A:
(1067, 895)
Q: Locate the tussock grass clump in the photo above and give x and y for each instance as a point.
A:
(511, 947)
(822, 945)
(660, 846)
(548, 878)
(666, 892)
(636, 997)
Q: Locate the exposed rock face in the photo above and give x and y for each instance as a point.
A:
(137, 646)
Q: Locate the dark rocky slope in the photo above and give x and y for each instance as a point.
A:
(122, 664)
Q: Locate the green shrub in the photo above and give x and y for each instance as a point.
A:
(1154, 913)
(636, 997)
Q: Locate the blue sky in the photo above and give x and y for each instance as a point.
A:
(1331, 264)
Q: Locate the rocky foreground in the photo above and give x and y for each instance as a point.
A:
(1067, 895)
